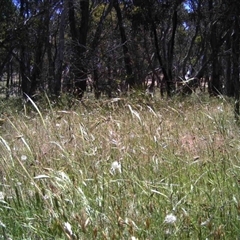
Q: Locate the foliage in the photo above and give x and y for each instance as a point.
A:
(179, 174)
(57, 46)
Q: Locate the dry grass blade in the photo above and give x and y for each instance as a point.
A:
(135, 113)
(37, 109)
(166, 171)
(9, 151)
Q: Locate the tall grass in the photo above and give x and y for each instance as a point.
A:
(179, 178)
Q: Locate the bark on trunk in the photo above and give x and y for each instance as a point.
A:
(60, 52)
(127, 59)
(235, 56)
(215, 86)
(79, 41)
(229, 80)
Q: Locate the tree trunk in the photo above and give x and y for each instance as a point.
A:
(60, 52)
(162, 66)
(187, 56)
(42, 22)
(24, 54)
(170, 52)
(79, 41)
(94, 48)
(215, 86)
(37, 67)
(228, 79)
(235, 56)
(50, 53)
(127, 59)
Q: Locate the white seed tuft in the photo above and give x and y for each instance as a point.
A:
(116, 167)
(170, 218)
(23, 157)
(68, 228)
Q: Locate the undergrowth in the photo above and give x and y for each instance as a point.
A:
(122, 168)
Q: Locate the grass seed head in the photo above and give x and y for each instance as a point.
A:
(116, 167)
(170, 218)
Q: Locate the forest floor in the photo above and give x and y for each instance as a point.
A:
(122, 168)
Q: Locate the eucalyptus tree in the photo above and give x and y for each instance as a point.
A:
(130, 79)
(160, 20)
(190, 46)
(235, 55)
(216, 40)
(233, 16)
(231, 50)
(215, 31)
(7, 17)
(99, 18)
(87, 20)
(35, 18)
(8, 41)
(56, 67)
(79, 27)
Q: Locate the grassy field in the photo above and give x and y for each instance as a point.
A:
(136, 168)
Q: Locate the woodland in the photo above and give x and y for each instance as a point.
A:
(119, 119)
(110, 47)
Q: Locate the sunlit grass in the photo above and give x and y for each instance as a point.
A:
(139, 168)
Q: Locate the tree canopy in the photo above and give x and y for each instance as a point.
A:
(110, 46)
